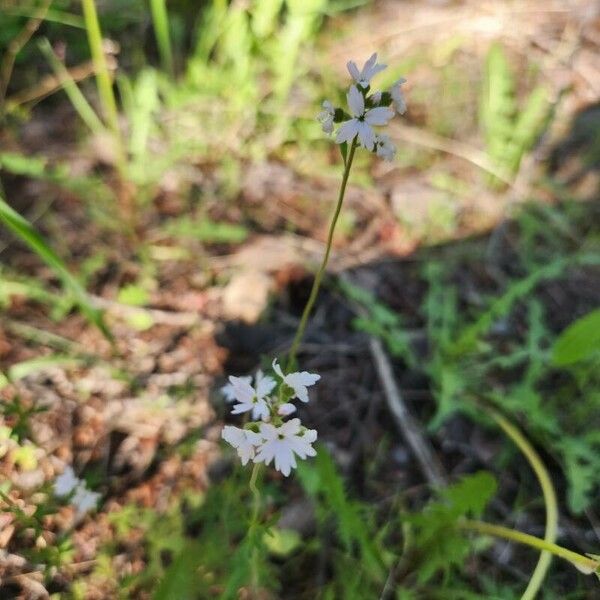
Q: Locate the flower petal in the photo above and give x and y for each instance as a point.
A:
(370, 63)
(284, 459)
(292, 427)
(286, 409)
(299, 382)
(232, 435)
(379, 116)
(310, 435)
(261, 411)
(242, 407)
(353, 70)
(264, 384)
(347, 131)
(241, 389)
(366, 135)
(268, 431)
(370, 69)
(66, 482)
(277, 368)
(356, 102)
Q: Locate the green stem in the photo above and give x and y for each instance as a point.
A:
(584, 563)
(319, 275)
(103, 80)
(541, 569)
(160, 20)
(254, 524)
(255, 495)
(78, 100)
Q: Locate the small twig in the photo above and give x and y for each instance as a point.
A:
(15, 46)
(49, 85)
(163, 317)
(408, 425)
(480, 159)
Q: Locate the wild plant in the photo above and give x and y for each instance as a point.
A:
(269, 400)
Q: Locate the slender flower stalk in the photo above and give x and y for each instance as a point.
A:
(319, 275)
(254, 523)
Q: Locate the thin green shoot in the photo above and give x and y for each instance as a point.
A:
(541, 569)
(160, 21)
(24, 230)
(103, 78)
(585, 564)
(78, 100)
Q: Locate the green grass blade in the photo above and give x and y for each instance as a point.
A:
(103, 79)
(24, 231)
(53, 15)
(160, 21)
(80, 104)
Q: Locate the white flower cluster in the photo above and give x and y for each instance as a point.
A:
(268, 438)
(67, 484)
(366, 110)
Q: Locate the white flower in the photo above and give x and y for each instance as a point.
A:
(376, 97)
(362, 122)
(325, 117)
(398, 96)
(286, 409)
(282, 443)
(252, 398)
(228, 391)
(297, 381)
(66, 482)
(384, 147)
(243, 440)
(369, 70)
(84, 499)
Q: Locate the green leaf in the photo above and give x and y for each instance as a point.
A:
(579, 341)
(344, 151)
(436, 536)
(581, 458)
(24, 230)
(180, 580)
(207, 231)
(140, 320)
(29, 166)
(282, 542)
(321, 480)
(471, 494)
(133, 294)
(25, 457)
(27, 367)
